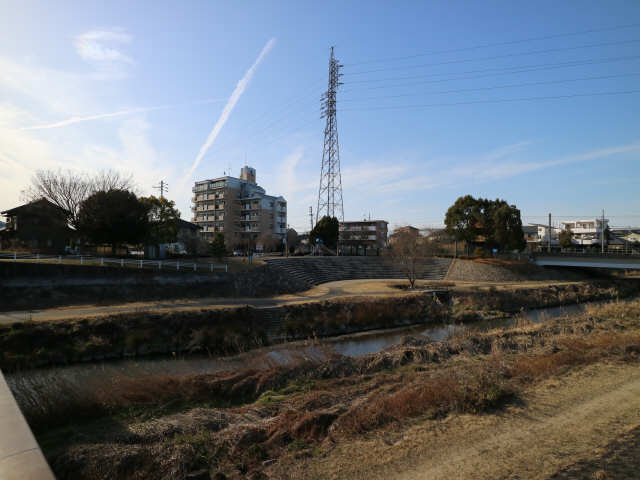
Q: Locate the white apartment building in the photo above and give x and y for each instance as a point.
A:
(587, 232)
(548, 235)
(241, 210)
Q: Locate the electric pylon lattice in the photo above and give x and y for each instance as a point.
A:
(330, 191)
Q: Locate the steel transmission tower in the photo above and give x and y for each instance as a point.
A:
(163, 187)
(330, 191)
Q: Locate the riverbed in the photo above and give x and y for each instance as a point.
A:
(88, 375)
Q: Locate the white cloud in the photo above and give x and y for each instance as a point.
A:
(494, 165)
(55, 90)
(289, 183)
(228, 108)
(24, 152)
(99, 46)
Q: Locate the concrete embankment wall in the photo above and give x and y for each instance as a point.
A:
(28, 286)
(20, 455)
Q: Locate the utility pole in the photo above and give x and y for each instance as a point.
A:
(162, 187)
(602, 233)
(330, 190)
(286, 243)
(549, 236)
(310, 218)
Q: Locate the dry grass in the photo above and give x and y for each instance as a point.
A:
(292, 410)
(49, 402)
(572, 351)
(474, 388)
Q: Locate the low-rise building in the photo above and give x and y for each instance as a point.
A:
(530, 233)
(241, 210)
(401, 230)
(365, 237)
(587, 232)
(39, 225)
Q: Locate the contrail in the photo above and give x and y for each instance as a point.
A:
(72, 120)
(228, 108)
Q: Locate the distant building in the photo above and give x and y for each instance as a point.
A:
(39, 225)
(587, 232)
(401, 230)
(530, 236)
(629, 236)
(241, 210)
(364, 237)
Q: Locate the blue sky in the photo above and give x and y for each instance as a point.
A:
(139, 87)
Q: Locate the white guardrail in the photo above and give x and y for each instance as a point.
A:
(177, 265)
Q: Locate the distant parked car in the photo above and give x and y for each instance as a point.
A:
(70, 251)
(238, 253)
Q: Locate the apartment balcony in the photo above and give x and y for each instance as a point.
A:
(591, 230)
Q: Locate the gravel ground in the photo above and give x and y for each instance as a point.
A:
(486, 271)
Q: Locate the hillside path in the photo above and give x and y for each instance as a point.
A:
(561, 422)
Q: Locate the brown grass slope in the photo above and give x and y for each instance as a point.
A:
(270, 422)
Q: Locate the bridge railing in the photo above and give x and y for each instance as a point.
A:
(632, 252)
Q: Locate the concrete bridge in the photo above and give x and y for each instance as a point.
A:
(589, 260)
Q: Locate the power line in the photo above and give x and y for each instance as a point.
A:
(278, 137)
(286, 116)
(254, 120)
(498, 44)
(497, 57)
(501, 100)
(496, 87)
(514, 70)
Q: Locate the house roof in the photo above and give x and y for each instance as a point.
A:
(529, 229)
(613, 240)
(406, 228)
(189, 225)
(43, 202)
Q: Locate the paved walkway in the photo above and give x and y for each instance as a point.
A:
(325, 291)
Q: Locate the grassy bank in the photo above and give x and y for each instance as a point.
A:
(239, 425)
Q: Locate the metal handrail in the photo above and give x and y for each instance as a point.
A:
(590, 253)
(103, 261)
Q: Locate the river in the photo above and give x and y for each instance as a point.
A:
(87, 375)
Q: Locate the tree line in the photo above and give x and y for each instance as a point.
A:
(104, 209)
(493, 223)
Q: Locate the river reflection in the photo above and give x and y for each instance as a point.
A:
(351, 345)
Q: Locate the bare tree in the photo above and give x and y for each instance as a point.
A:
(268, 241)
(193, 243)
(409, 251)
(68, 189)
(106, 180)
